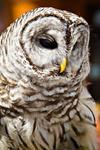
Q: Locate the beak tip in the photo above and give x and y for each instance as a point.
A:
(63, 65)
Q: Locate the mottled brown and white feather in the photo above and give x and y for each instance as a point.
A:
(41, 108)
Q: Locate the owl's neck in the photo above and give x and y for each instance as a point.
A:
(55, 100)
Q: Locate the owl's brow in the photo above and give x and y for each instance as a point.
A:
(63, 20)
(42, 16)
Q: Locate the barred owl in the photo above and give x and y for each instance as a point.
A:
(44, 104)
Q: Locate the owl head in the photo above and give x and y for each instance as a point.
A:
(47, 43)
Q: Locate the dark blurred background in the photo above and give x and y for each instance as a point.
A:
(89, 9)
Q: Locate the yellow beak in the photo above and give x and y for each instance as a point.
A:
(63, 65)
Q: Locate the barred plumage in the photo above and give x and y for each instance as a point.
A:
(41, 107)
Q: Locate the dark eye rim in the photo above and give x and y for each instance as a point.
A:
(75, 46)
(47, 41)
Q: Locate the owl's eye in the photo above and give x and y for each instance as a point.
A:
(47, 42)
